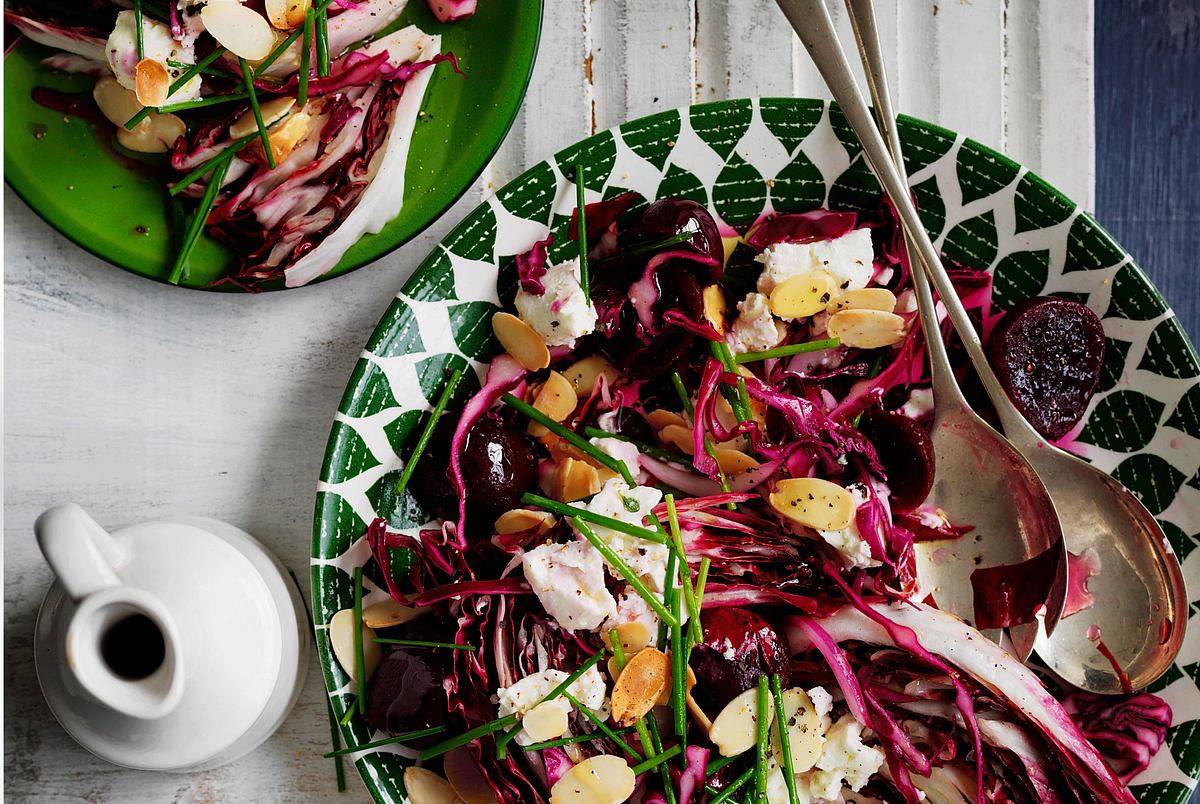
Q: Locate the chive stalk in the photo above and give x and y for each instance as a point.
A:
(183, 65)
(685, 571)
(335, 737)
(668, 585)
(184, 77)
(467, 737)
(721, 796)
(201, 103)
(628, 574)
(503, 740)
(571, 437)
(646, 449)
(196, 226)
(420, 643)
(578, 738)
(763, 741)
(603, 727)
(678, 663)
(580, 190)
(306, 41)
(664, 772)
(682, 391)
(427, 433)
(785, 740)
(572, 511)
(360, 660)
(257, 110)
(786, 351)
(716, 765)
(659, 759)
(141, 36)
(321, 32)
(702, 581)
(741, 401)
(399, 738)
(222, 158)
(649, 248)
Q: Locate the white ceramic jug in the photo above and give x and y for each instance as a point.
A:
(174, 645)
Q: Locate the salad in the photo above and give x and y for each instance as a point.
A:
(279, 127)
(669, 544)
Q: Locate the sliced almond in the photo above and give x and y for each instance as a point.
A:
(520, 341)
(804, 731)
(664, 698)
(273, 111)
(715, 307)
(388, 614)
(698, 713)
(864, 299)
(736, 729)
(640, 684)
(802, 296)
(866, 329)
(658, 419)
(547, 721)
(734, 461)
(152, 82)
(341, 638)
(633, 635)
(728, 246)
(116, 103)
(813, 502)
(678, 436)
(556, 398)
(583, 374)
(465, 777)
(519, 520)
(426, 787)
(240, 30)
(287, 135)
(154, 135)
(573, 480)
(287, 14)
(603, 779)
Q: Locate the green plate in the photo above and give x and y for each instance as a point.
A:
(68, 173)
(742, 158)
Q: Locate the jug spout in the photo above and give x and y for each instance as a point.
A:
(121, 644)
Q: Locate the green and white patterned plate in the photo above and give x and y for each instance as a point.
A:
(742, 158)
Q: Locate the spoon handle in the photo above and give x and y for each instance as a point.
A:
(811, 21)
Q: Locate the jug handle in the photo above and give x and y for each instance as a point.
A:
(82, 554)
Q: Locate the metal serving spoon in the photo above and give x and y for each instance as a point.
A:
(1141, 601)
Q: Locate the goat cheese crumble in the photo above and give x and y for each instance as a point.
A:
(589, 689)
(617, 500)
(568, 580)
(622, 451)
(561, 314)
(157, 44)
(755, 329)
(849, 258)
(849, 541)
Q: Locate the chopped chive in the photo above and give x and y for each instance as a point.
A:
(258, 118)
(224, 157)
(682, 391)
(360, 661)
(720, 797)
(420, 643)
(685, 571)
(184, 77)
(763, 741)
(648, 743)
(578, 738)
(555, 507)
(572, 437)
(647, 449)
(663, 770)
(628, 574)
(141, 37)
(655, 761)
(618, 649)
(785, 741)
(716, 765)
(668, 585)
(196, 227)
(740, 402)
(678, 663)
(503, 740)
(321, 32)
(603, 727)
(647, 248)
(211, 100)
(346, 718)
(702, 581)
(785, 351)
(585, 281)
(335, 737)
(215, 71)
(399, 738)
(427, 433)
(467, 737)
(306, 41)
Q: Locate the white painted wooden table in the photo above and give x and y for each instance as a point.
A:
(138, 400)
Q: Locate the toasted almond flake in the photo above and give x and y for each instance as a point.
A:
(341, 638)
(241, 30)
(116, 103)
(678, 436)
(547, 721)
(813, 502)
(633, 635)
(520, 341)
(286, 14)
(736, 729)
(152, 82)
(154, 135)
(465, 777)
(664, 698)
(519, 520)
(864, 299)
(734, 461)
(426, 787)
(866, 329)
(556, 398)
(273, 111)
(715, 307)
(583, 374)
(804, 731)
(602, 779)
(728, 245)
(573, 480)
(640, 684)
(389, 613)
(698, 713)
(658, 419)
(287, 135)
(802, 296)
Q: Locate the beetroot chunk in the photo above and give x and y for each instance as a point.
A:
(1048, 353)
(739, 647)
(906, 452)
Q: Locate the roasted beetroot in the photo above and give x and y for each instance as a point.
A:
(643, 356)
(739, 648)
(406, 691)
(906, 452)
(669, 217)
(1048, 353)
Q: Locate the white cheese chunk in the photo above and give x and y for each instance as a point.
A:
(848, 541)
(755, 329)
(617, 500)
(589, 689)
(157, 44)
(632, 608)
(622, 451)
(919, 404)
(849, 258)
(568, 579)
(562, 313)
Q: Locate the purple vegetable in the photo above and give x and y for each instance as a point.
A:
(1128, 729)
(804, 227)
(452, 10)
(531, 266)
(739, 647)
(669, 217)
(406, 691)
(1011, 594)
(906, 453)
(1048, 353)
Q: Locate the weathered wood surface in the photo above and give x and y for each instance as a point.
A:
(138, 400)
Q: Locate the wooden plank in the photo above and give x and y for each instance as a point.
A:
(742, 49)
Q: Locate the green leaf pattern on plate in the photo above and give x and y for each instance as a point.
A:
(741, 158)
